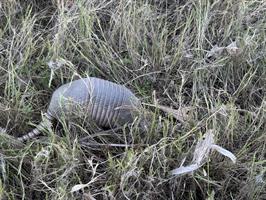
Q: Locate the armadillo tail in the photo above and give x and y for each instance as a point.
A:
(39, 128)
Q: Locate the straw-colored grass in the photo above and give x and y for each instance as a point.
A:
(205, 57)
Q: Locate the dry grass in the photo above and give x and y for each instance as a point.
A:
(200, 54)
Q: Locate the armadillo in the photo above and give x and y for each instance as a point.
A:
(108, 104)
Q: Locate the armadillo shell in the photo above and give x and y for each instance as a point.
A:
(106, 103)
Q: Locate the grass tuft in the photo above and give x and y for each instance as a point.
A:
(205, 57)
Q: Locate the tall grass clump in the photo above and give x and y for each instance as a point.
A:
(205, 57)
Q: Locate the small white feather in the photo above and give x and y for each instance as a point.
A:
(224, 152)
